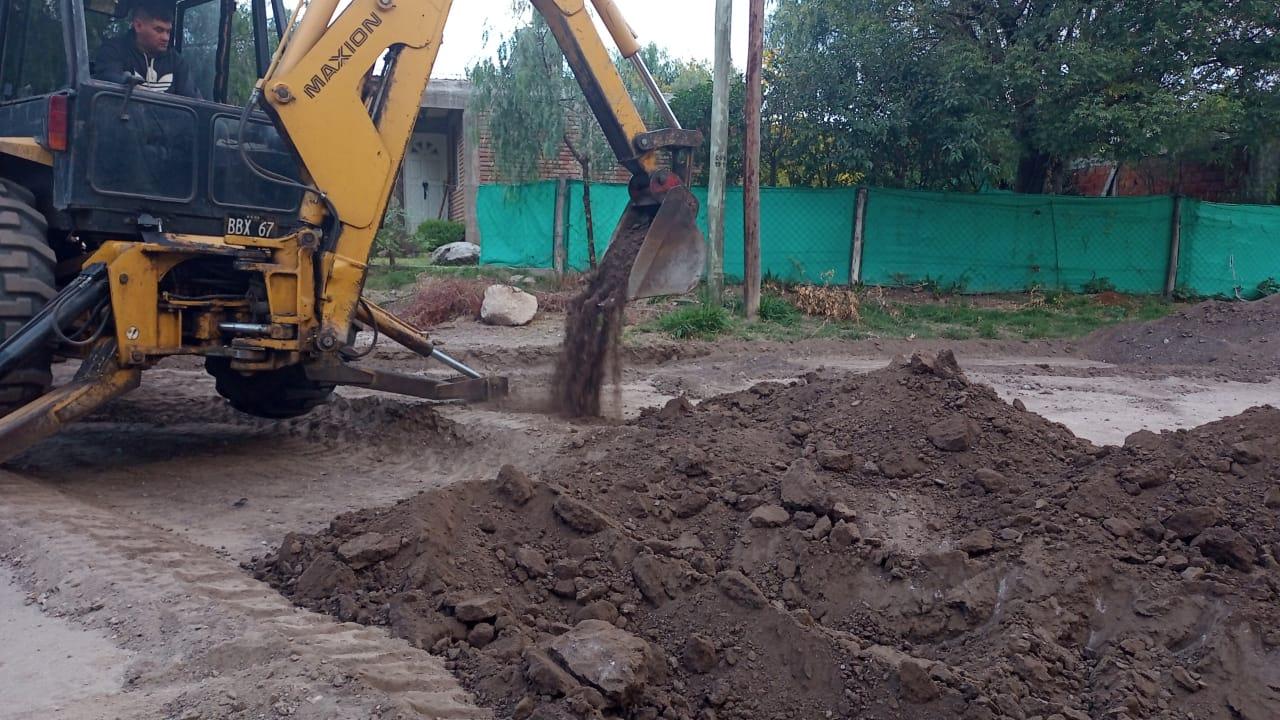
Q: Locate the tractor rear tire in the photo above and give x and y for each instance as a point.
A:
(275, 394)
(26, 286)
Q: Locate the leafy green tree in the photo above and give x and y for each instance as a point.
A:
(532, 108)
(939, 94)
(691, 102)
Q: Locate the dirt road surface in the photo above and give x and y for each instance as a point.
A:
(121, 590)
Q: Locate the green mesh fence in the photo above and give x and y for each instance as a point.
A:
(516, 224)
(997, 242)
(1228, 250)
(812, 248)
(607, 204)
(1002, 242)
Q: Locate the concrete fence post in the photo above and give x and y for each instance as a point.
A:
(859, 237)
(1175, 248)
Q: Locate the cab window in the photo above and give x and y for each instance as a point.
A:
(33, 59)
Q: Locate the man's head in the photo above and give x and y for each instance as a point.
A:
(153, 26)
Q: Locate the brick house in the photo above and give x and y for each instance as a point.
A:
(1159, 176)
(443, 169)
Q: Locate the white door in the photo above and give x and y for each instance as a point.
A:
(426, 173)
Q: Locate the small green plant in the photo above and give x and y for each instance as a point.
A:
(1098, 285)
(703, 321)
(393, 239)
(957, 286)
(1182, 293)
(434, 234)
(776, 309)
(1268, 287)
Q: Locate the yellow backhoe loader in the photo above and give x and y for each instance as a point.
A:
(137, 225)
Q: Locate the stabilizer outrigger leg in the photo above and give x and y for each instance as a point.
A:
(99, 381)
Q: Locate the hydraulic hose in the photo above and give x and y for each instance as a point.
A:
(84, 293)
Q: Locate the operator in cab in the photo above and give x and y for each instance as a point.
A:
(142, 55)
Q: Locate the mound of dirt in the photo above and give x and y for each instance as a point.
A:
(901, 544)
(1236, 339)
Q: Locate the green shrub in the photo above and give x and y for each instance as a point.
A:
(434, 234)
(1268, 287)
(775, 309)
(1098, 285)
(393, 239)
(703, 321)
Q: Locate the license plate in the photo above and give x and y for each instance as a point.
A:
(251, 226)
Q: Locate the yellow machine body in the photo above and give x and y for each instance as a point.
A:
(350, 147)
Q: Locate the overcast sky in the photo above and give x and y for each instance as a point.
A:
(685, 28)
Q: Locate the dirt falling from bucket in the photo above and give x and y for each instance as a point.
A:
(593, 326)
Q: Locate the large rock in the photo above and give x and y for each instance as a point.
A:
(367, 549)
(955, 434)
(459, 253)
(767, 516)
(803, 490)
(508, 306)
(1227, 547)
(325, 577)
(740, 589)
(481, 608)
(1190, 522)
(660, 578)
(978, 542)
(699, 654)
(579, 515)
(545, 675)
(514, 485)
(1252, 452)
(610, 659)
(1272, 498)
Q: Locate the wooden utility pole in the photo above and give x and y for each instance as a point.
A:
(719, 151)
(751, 162)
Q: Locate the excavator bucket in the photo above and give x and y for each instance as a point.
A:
(673, 256)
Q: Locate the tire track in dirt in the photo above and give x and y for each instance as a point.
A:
(210, 640)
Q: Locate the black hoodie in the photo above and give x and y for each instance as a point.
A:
(119, 58)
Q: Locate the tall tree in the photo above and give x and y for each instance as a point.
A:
(939, 94)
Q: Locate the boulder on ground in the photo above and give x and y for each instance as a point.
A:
(482, 608)
(1228, 547)
(1190, 522)
(606, 657)
(955, 434)
(458, 253)
(367, 549)
(801, 489)
(508, 306)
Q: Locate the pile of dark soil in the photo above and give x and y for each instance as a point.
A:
(1232, 339)
(901, 544)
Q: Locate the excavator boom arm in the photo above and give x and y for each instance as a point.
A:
(352, 141)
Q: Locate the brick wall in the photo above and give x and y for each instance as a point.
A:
(1219, 183)
(563, 166)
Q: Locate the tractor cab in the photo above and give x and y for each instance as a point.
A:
(110, 159)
